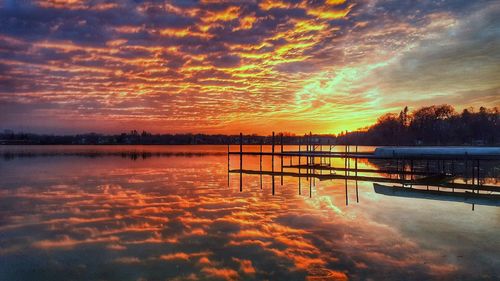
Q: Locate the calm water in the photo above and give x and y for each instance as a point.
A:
(115, 217)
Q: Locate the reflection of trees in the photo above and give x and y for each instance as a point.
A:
(98, 154)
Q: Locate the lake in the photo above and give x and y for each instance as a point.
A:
(172, 213)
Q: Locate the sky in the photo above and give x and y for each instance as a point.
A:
(240, 66)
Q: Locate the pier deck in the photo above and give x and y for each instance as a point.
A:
(431, 170)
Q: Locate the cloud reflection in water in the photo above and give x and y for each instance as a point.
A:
(165, 218)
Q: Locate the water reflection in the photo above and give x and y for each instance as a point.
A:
(163, 218)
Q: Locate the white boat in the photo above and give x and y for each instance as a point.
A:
(465, 197)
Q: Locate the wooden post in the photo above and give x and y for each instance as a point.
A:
(311, 149)
(345, 174)
(272, 152)
(307, 156)
(310, 188)
(348, 160)
(281, 143)
(356, 168)
(329, 154)
(321, 156)
(300, 188)
(272, 164)
(313, 161)
(261, 165)
(308, 141)
(228, 165)
(345, 161)
(260, 159)
(309, 163)
(346, 195)
(241, 162)
(300, 168)
(320, 152)
(281, 175)
(356, 157)
(299, 157)
(273, 180)
(241, 145)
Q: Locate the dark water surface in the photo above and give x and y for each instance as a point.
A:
(174, 217)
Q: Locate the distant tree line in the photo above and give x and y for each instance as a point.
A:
(431, 125)
(133, 137)
(146, 138)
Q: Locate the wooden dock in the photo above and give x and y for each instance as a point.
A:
(416, 170)
(366, 155)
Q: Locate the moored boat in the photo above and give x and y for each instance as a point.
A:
(465, 197)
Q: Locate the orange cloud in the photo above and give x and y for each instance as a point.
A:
(228, 14)
(245, 266)
(223, 273)
(329, 13)
(180, 256)
(271, 4)
(67, 242)
(246, 22)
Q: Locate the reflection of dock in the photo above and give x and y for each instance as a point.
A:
(320, 167)
(465, 197)
(313, 162)
(430, 181)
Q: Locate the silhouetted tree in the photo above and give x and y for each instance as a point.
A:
(432, 125)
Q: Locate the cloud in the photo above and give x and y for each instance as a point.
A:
(211, 66)
(223, 273)
(463, 57)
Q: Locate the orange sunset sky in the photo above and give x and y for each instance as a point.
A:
(229, 66)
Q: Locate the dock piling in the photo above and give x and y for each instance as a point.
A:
(241, 162)
(272, 151)
(260, 164)
(281, 143)
(356, 174)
